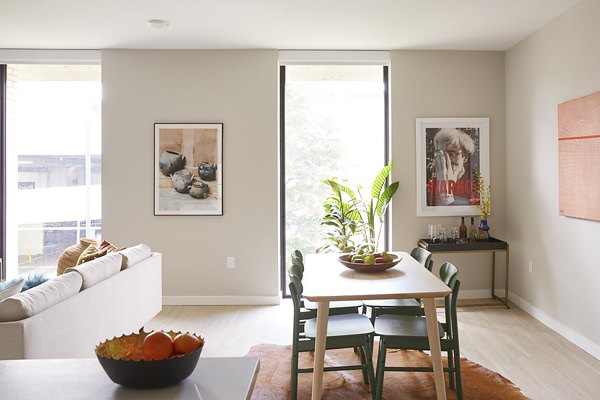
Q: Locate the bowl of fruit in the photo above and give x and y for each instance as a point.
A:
(150, 359)
(370, 262)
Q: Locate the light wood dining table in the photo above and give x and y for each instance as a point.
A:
(326, 279)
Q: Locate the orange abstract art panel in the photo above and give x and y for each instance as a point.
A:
(579, 157)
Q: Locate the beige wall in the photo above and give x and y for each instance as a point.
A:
(237, 88)
(558, 63)
(447, 84)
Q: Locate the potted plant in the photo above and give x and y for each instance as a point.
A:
(355, 222)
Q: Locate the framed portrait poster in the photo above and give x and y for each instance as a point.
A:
(450, 153)
(188, 169)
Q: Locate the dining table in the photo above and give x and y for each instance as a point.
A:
(326, 279)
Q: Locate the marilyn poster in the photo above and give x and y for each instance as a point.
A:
(450, 153)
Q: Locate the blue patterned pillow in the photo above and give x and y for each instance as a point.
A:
(33, 280)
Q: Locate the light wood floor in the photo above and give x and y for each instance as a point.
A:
(509, 341)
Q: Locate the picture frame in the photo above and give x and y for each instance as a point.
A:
(188, 169)
(449, 153)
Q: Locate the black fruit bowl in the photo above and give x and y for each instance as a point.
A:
(144, 374)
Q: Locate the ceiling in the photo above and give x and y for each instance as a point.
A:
(274, 24)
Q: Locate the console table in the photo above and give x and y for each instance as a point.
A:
(213, 379)
(492, 245)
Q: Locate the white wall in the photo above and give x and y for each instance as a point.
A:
(447, 84)
(237, 88)
(560, 62)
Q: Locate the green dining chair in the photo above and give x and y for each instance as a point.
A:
(410, 333)
(335, 307)
(401, 306)
(343, 331)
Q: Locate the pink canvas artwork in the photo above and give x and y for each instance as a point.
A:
(579, 157)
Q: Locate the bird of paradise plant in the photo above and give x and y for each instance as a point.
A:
(352, 218)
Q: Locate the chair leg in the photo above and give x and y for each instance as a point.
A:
(363, 361)
(451, 373)
(370, 369)
(459, 392)
(372, 318)
(380, 368)
(294, 377)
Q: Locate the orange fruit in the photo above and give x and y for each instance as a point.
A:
(186, 343)
(157, 346)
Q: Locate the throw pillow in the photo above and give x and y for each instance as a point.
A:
(111, 248)
(71, 254)
(10, 288)
(33, 280)
(90, 253)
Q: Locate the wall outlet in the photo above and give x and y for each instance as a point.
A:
(530, 267)
(230, 262)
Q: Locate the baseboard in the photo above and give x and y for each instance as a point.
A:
(576, 338)
(220, 300)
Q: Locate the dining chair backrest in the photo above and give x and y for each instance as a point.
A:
(423, 256)
(296, 290)
(296, 270)
(298, 259)
(449, 275)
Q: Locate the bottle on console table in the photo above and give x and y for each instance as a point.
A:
(472, 230)
(462, 230)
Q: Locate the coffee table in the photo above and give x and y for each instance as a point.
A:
(213, 379)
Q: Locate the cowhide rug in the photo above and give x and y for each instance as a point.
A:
(273, 382)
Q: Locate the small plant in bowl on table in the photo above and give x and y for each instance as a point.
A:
(354, 222)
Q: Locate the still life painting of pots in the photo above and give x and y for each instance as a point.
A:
(188, 169)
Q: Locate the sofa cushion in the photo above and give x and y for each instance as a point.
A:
(12, 288)
(98, 269)
(35, 300)
(135, 254)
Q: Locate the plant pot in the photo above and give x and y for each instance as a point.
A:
(182, 180)
(170, 162)
(207, 171)
(198, 190)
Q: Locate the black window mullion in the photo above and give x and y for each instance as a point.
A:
(3, 77)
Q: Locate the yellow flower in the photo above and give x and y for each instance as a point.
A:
(485, 196)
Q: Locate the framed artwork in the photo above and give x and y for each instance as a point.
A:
(579, 157)
(188, 169)
(451, 152)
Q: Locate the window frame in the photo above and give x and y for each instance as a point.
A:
(21, 56)
(324, 58)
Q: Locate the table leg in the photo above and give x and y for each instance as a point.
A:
(434, 346)
(321, 340)
(494, 275)
(506, 279)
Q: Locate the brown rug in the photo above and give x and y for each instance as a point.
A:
(273, 382)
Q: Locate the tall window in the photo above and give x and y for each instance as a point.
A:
(53, 161)
(334, 124)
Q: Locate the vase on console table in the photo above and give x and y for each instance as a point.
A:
(484, 229)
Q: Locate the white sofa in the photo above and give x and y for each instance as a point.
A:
(111, 300)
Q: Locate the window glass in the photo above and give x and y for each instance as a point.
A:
(53, 157)
(334, 127)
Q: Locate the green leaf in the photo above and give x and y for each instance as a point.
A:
(380, 180)
(385, 199)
